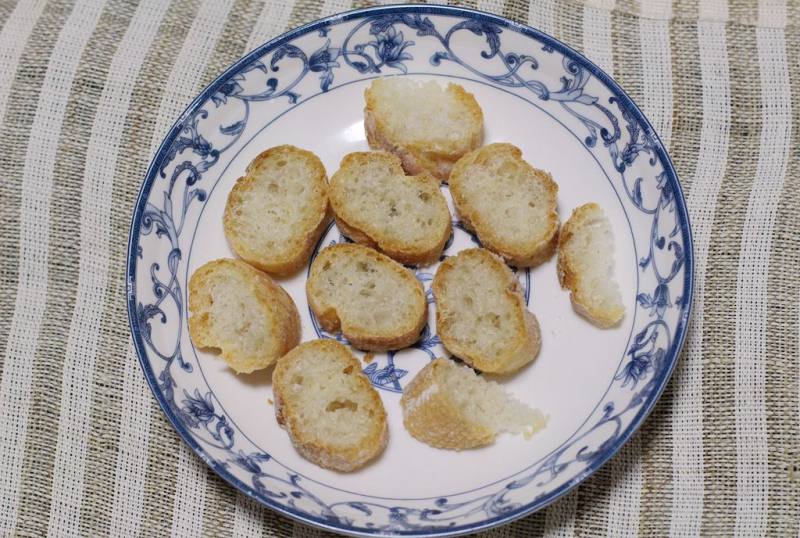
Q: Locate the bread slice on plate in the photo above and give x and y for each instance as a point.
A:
(277, 211)
(374, 301)
(242, 313)
(586, 266)
(376, 204)
(481, 315)
(328, 407)
(447, 406)
(509, 204)
(428, 126)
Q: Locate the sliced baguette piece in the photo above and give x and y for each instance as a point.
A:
(374, 301)
(277, 211)
(333, 415)
(586, 266)
(447, 405)
(509, 204)
(242, 313)
(429, 127)
(376, 204)
(481, 315)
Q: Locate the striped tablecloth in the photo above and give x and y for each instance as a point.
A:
(87, 90)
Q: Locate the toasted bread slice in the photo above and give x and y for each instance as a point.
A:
(327, 405)
(427, 126)
(376, 303)
(509, 204)
(376, 204)
(447, 406)
(586, 266)
(241, 312)
(481, 315)
(277, 211)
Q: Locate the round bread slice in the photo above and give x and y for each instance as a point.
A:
(376, 303)
(377, 205)
(481, 315)
(277, 211)
(429, 127)
(509, 204)
(328, 407)
(447, 406)
(240, 312)
(586, 266)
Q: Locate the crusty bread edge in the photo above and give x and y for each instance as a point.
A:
(568, 275)
(431, 417)
(322, 454)
(527, 345)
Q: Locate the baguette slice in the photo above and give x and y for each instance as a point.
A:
(427, 126)
(481, 315)
(509, 204)
(242, 313)
(328, 407)
(377, 205)
(586, 266)
(277, 211)
(447, 406)
(376, 303)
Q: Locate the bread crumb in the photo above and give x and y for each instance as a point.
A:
(270, 401)
(368, 358)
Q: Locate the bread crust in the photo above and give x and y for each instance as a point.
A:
(373, 234)
(365, 337)
(305, 235)
(284, 328)
(417, 156)
(527, 342)
(603, 316)
(432, 416)
(326, 454)
(475, 221)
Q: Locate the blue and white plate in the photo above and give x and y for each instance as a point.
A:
(306, 88)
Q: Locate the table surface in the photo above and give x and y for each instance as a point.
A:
(85, 449)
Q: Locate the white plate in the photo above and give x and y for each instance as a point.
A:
(306, 88)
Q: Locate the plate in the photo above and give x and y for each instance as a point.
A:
(306, 88)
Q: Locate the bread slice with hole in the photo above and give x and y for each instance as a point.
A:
(428, 126)
(447, 405)
(481, 315)
(376, 204)
(277, 211)
(240, 312)
(374, 301)
(333, 415)
(586, 266)
(508, 203)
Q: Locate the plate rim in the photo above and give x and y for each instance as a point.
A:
(682, 322)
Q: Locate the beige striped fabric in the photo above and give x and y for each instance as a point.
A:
(84, 448)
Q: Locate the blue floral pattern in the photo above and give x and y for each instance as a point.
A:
(380, 42)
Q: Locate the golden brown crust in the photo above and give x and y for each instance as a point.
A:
(327, 454)
(492, 239)
(372, 234)
(365, 337)
(284, 328)
(602, 316)
(431, 416)
(305, 235)
(527, 343)
(420, 157)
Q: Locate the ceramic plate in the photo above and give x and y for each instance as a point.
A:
(306, 88)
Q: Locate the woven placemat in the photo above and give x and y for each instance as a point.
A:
(89, 88)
